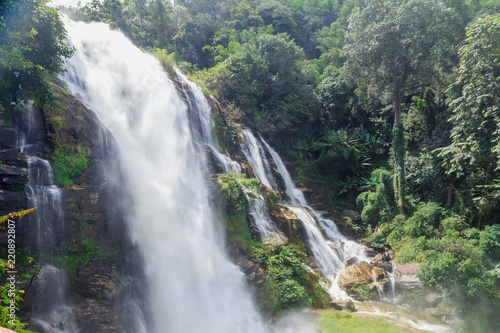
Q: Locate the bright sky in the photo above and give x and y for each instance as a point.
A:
(68, 3)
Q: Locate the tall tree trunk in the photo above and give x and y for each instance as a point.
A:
(397, 107)
(450, 195)
(398, 146)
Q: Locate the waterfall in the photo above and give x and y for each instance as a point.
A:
(200, 117)
(295, 195)
(53, 311)
(192, 285)
(201, 121)
(329, 256)
(256, 157)
(268, 231)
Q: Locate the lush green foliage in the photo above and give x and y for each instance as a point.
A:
(391, 50)
(378, 202)
(286, 275)
(474, 155)
(237, 189)
(361, 290)
(26, 268)
(69, 162)
(32, 52)
(330, 84)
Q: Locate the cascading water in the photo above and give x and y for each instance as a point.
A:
(329, 256)
(203, 128)
(192, 285)
(324, 256)
(295, 195)
(53, 311)
(202, 123)
(268, 231)
(256, 156)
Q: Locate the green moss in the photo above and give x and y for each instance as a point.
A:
(237, 226)
(341, 322)
(56, 121)
(320, 298)
(273, 200)
(236, 188)
(361, 290)
(69, 162)
(79, 255)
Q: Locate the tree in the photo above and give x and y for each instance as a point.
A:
(475, 102)
(32, 53)
(395, 47)
(270, 80)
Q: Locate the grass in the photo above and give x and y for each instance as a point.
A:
(341, 322)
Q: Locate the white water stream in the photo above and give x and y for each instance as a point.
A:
(201, 121)
(192, 285)
(329, 253)
(53, 311)
(255, 155)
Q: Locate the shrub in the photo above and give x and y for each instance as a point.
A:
(236, 187)
(287, 277)
(490, 242)
(425, 221)
(69, 162)
(380, 200)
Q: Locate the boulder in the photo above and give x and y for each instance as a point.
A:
(384, 265)
(287, 221)
(405, 276)
(343, 304)
(350, 213)
(377, 258)
(432, 299)
(351, 261)
(383, 283)
(362, 272)
(253, 272)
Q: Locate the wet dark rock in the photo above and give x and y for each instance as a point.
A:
(254, 273)
(351, 261)
(97, 289)
(387, 266)
(13, 178)
(343, 304)
(287, 221)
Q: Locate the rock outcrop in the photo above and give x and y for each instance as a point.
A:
(13, 178)
(89, 227)
(405, 277)
(343, 304)
(360, 273)
(287, 221)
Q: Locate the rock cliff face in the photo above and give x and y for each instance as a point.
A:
(91, 242)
